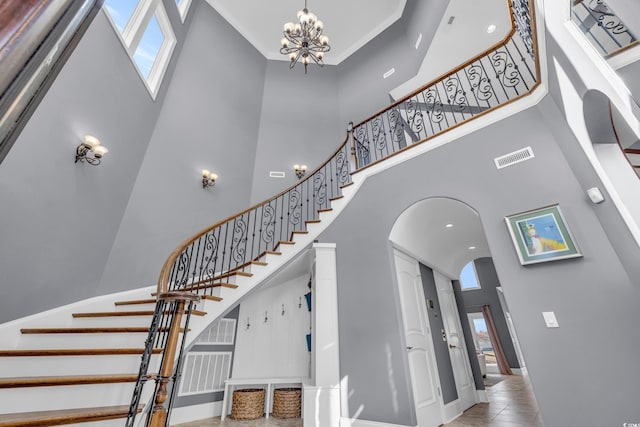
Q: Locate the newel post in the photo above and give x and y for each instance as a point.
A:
(158, 414)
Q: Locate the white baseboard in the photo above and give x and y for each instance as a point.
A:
(348, 422)
(196, 412)
(452, 411)
(516, 371)
(482, 396)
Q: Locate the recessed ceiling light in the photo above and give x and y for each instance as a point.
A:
(471, 248)
(491, 28)
(449, 225)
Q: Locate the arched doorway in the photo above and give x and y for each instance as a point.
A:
(432, 240)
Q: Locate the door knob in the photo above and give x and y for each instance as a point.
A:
(409, 348)
(453, 346)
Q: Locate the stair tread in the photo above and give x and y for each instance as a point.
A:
(127, 313)
(346, 185)
(335, 198)
(74, 352)
(46, 381)
(632, 150)
(211, 297)
(325, 210)
(137, 301)
(64, 416)
(313, 221)
(118, 330)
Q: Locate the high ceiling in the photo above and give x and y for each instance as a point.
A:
(348, 24)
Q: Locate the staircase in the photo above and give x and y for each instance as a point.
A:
(83, 363)
(83, 369)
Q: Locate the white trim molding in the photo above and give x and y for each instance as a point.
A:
(353, 422)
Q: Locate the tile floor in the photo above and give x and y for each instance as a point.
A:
(511, 404)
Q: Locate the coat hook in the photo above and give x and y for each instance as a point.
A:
(248, 323)
(283, 309)
(300, 302)
(266, 317)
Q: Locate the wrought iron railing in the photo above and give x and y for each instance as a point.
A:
(502, 74)
(606, 31)
(207, 260)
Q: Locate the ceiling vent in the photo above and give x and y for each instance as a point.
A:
(513, 158)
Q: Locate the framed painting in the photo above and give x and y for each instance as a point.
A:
(541, 235)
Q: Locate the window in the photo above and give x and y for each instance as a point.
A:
(120, 11)
(183, 7)
(469, 277)
(146, 34)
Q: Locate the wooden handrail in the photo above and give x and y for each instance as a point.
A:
(163, 280)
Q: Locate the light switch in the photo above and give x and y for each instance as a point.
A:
(550, 319)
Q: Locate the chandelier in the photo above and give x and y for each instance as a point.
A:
(303, 41)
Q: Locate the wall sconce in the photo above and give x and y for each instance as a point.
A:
(90, 146)
(208, 178)
(300, 170)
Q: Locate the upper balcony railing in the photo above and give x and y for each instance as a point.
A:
(503, 73)
(606, 31)
(500, 75)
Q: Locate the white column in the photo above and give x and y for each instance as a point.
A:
(322, 396)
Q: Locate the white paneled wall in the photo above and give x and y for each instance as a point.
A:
(276, 347)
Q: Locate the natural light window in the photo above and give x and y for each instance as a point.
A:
(146, 33)
(469, 277)
(149, 46)
(183, 7)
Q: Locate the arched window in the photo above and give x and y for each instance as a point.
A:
(469, 277)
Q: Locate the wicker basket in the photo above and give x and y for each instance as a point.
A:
(248, 404)
(286, 402)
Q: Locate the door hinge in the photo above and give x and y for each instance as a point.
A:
(439, 393)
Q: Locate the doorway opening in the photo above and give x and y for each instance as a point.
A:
(432, 241)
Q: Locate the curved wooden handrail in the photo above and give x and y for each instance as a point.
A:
(163, 280)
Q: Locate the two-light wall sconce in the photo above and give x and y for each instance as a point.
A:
(90, 151)
(208, 178)
(300, 170)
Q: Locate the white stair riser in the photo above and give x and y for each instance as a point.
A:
(72, 365)
(66, 397)
(93, 340)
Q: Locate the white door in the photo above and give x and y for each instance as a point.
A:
(422, 366)
(457, 348)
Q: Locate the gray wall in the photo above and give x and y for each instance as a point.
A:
(59, 219)
(440, 346)
(629, 75)
(209, 120)
(299, 124)
(363, 91)
(474, 299)
(560, 361)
